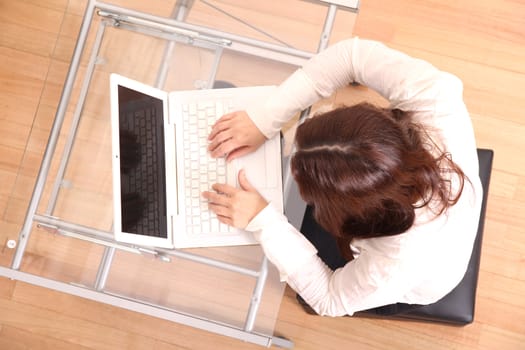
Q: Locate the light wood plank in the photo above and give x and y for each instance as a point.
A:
(27, 39)
(7, 286)
(17, 339)
(41, 18)
(57, 326)
(481, 41)
(59, 5)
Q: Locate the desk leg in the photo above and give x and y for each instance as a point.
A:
(327, 28)
(103, 270)
(256, 296)
(217, 60)
(180, 12)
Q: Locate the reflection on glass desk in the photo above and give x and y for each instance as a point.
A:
(67, 243)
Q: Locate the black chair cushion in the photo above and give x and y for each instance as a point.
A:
(458, 306)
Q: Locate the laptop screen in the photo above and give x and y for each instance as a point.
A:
(142, 163)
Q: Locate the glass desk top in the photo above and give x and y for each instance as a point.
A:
(67, 234)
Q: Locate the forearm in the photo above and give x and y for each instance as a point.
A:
(408, 83)
(283, 245)
(298, 264)
(320, 287)
(294, 95)
(319, 78)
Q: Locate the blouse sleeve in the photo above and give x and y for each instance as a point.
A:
(362, 283)
(408, 83)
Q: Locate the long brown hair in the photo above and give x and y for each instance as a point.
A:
(365, 170)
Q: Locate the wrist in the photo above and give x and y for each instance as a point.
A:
(258, 221)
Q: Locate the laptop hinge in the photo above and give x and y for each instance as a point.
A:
(154, 253)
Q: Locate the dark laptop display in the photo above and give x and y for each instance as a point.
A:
(142, 163)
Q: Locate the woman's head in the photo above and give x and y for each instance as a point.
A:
(365, 170)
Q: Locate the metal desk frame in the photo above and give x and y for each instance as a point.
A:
(175, 30)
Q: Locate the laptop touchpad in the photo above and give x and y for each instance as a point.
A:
(261, 167)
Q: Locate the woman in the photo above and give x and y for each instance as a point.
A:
(397, 188)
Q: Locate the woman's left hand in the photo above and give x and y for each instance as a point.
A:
(235, 206)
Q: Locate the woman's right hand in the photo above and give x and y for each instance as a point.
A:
(234, 135)
(235, 206)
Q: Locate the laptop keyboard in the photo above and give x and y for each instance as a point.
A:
(201, 170)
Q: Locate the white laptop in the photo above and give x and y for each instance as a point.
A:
(161, 164)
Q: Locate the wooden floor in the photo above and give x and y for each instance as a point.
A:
(481, 41)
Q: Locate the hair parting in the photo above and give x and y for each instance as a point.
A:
(365, 170)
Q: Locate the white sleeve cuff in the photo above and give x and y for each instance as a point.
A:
(282, 244)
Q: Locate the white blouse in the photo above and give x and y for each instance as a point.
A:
(419, 266)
